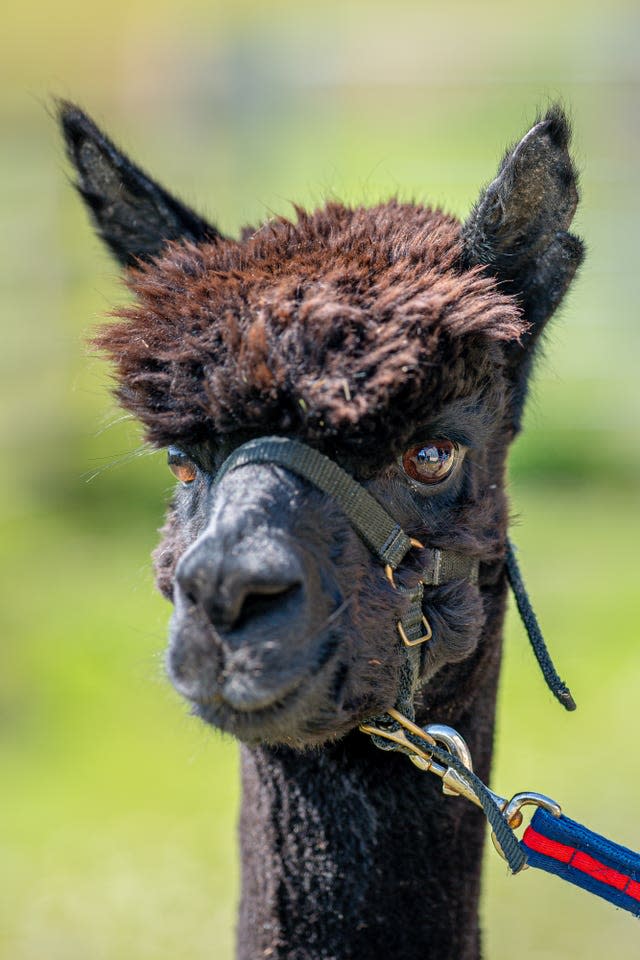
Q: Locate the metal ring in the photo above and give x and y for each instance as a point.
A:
(423, 639)
(388, 569)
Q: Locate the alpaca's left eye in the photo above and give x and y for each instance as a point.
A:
(181, 466)
(430, 462)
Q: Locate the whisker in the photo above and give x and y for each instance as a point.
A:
(143, 451)
(332, 616)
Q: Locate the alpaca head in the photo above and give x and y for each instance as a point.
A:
(393, 339)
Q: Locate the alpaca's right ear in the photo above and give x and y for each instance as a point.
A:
(133, 214)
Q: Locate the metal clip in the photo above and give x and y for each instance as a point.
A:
(452, 783)
(420, 757)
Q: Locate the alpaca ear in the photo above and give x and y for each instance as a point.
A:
(133, 214)
(518, 230)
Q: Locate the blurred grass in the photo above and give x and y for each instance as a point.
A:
(117, 836)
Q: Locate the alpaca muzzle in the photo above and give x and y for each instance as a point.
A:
(380, 532)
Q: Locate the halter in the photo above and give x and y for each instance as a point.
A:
(386, 539)
(553, 842)
(380, 532)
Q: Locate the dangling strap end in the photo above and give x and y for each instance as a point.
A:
(559, 689)
(565, 698)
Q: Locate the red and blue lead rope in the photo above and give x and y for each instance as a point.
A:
(570, 851)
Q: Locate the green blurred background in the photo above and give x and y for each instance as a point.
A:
(118, 811)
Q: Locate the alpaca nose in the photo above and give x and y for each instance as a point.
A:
(233, 587)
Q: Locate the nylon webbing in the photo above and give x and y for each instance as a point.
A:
(412, 619)
(570, 851)
(382, 534)
(443, 566)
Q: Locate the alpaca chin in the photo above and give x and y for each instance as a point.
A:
(302, 717)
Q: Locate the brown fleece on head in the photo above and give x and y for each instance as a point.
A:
(349, 323)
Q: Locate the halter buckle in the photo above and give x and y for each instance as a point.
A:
(428, 633)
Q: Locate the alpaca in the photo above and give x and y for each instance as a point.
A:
(399, 343)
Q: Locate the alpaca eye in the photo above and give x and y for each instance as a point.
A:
(181, 466)
(430, 462)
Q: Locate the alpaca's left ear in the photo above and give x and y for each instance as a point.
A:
(133, 214)
(518, 230)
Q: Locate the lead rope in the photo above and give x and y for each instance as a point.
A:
(552, 842)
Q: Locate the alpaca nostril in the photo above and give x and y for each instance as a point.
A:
(242, 598)
(191, 586)
(191, 597)
(264, 599)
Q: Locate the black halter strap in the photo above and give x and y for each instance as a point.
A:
(387, 540)
(382, 534)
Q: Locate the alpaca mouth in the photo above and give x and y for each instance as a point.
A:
(294, 713)
(240, 693)
(233, 718)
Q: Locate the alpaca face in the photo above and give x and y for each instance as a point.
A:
(284, 626)
(395, 340)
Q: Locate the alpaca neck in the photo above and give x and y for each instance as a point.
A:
(350, 852)
(355, 856)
